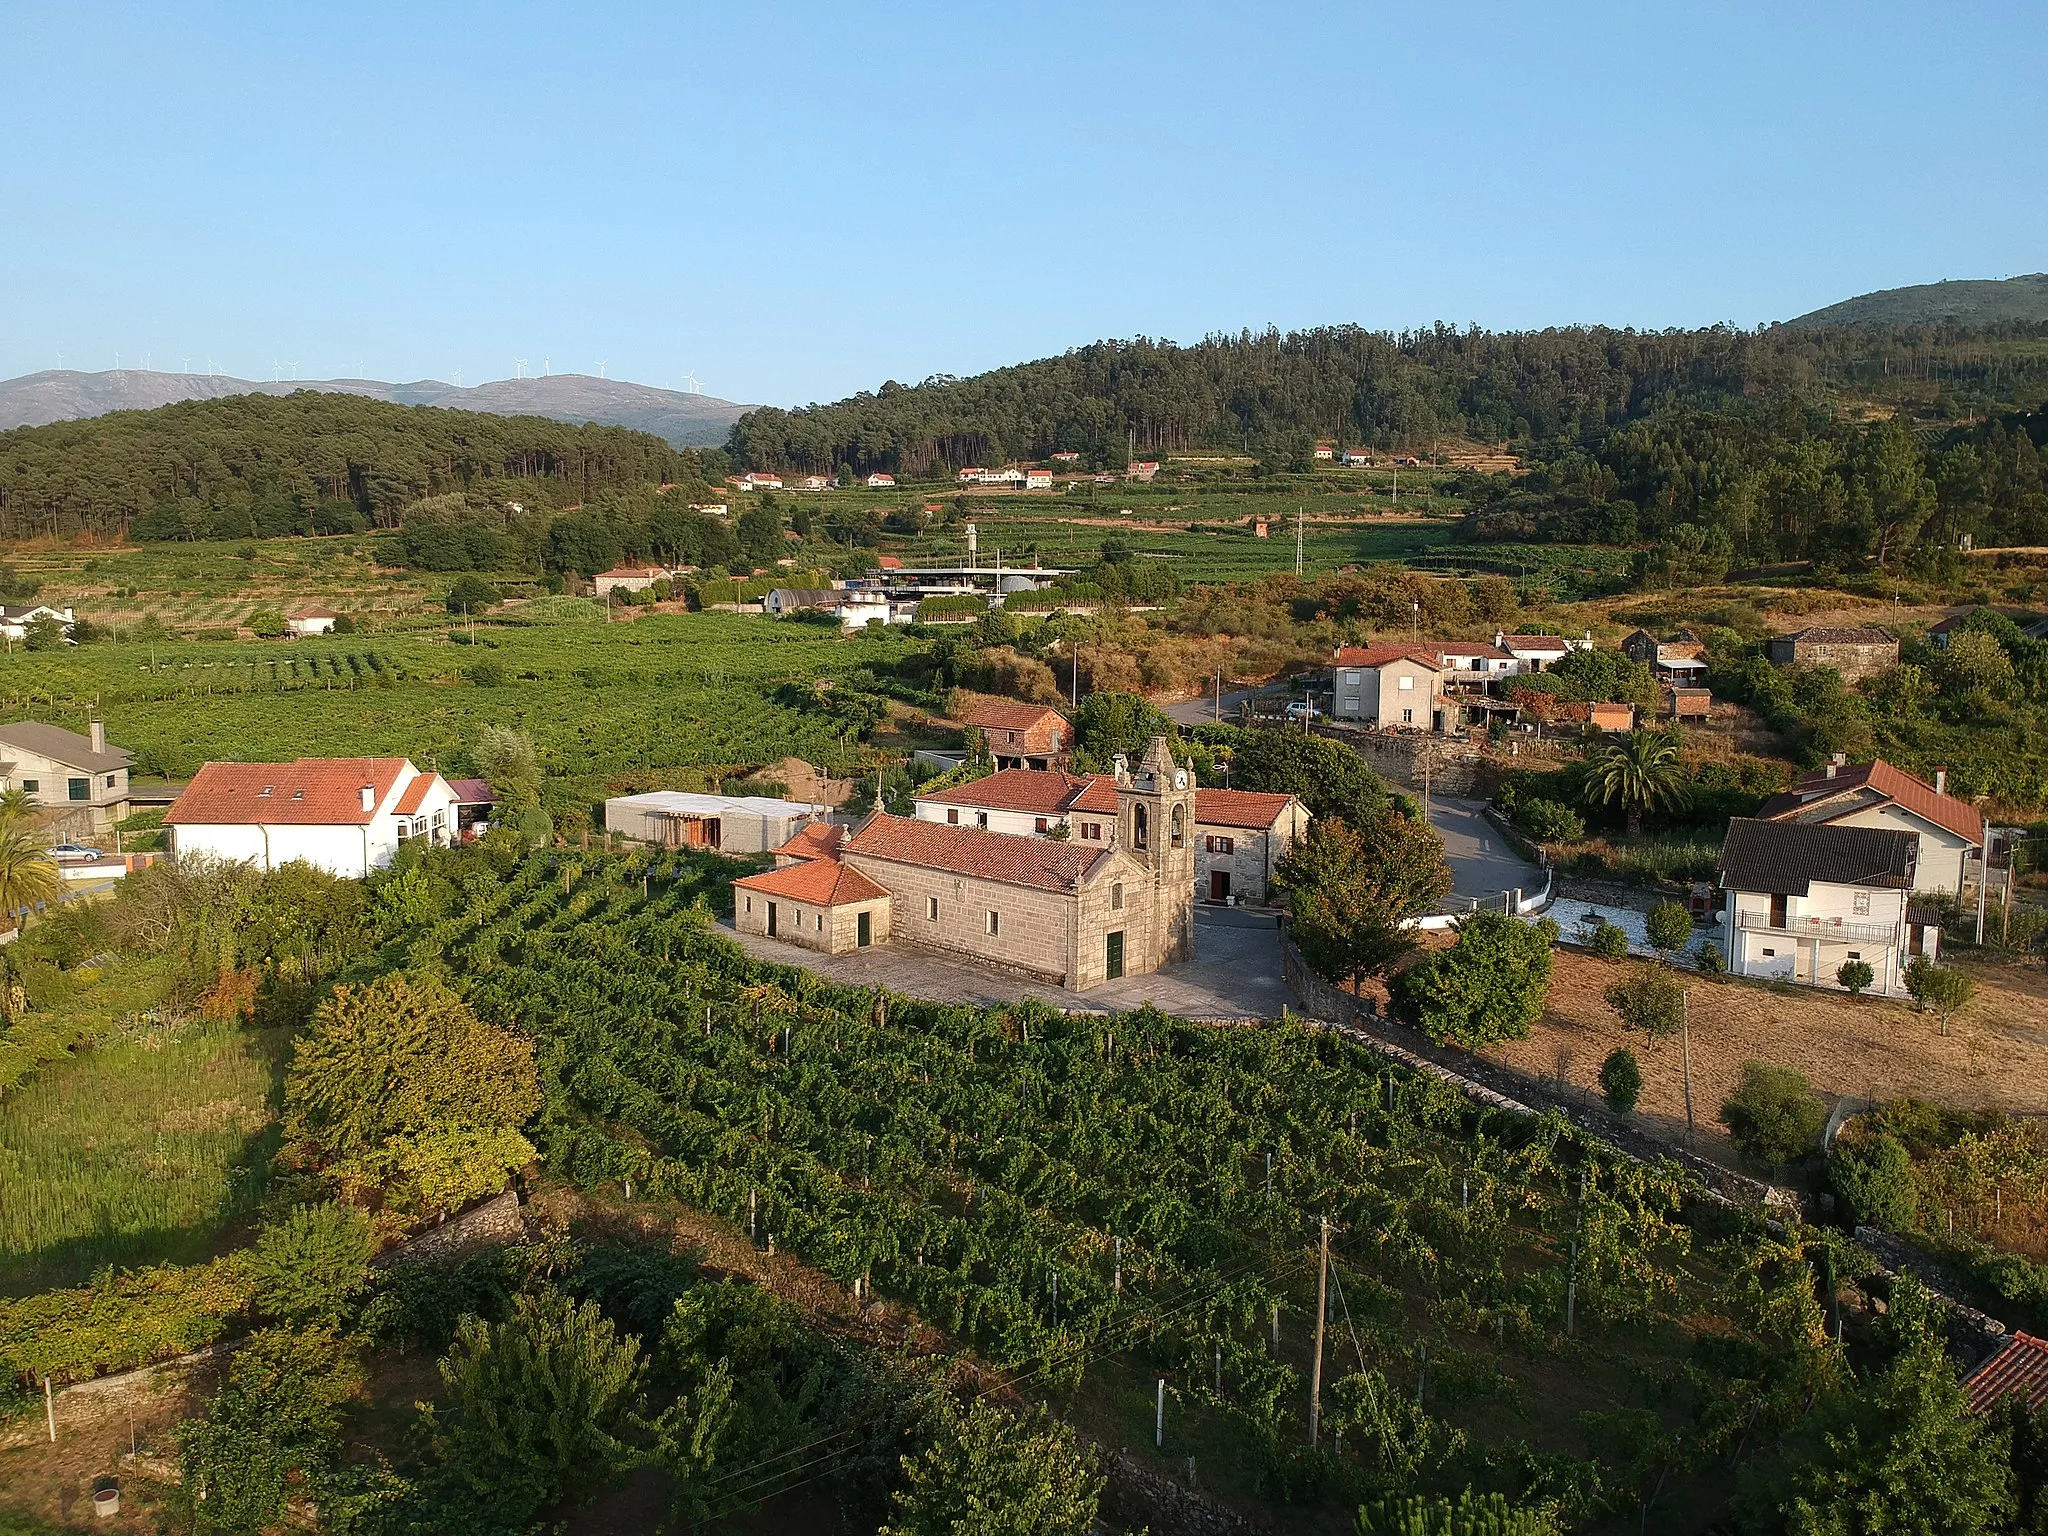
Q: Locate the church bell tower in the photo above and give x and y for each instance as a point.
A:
(1156, 816)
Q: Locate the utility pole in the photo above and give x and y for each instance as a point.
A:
(1297, 540)
(1685, 1042)
(1315, 1388)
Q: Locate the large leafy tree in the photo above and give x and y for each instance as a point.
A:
(1639, 771)
(990, 1473)
(398, 1088)
(1487, 987)
(1326, 776)
(1349, 890)
(537, 1406)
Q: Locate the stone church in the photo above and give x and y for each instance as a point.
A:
(1067, 910)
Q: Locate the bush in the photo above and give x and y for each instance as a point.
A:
(1621, 1080)
(1876, 1179)
(1711, 961)
(1856, 976)
(1609, 942)
(1650, 1000)
(267, 623)
(1670, 927)
(310, 1267)
(1551, 822)
(485, 674)
(1487, 987)
(471, 594)
(1773, 1116)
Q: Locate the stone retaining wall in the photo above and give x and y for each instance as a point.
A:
(1140, 1496)
(497, 1220)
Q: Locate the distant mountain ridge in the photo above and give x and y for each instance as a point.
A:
(1971, 301)
(685, 420)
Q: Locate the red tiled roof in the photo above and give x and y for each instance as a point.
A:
(2020, 1367)
(1467, 648)
(1535, 643)
(1039, 791)
(314, 791)
(1238, 807)
(814, 840)
(1098, 796)
(1380, 655)
(889, 563)
(1031, 861)
(1002, 715)
(1880, 778)
(821, 882)
(415, 792)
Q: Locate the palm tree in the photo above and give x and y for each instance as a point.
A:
(16, 805)
(1641, 771)
(28, 875)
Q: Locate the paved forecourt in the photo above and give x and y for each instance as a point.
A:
(1235, 973)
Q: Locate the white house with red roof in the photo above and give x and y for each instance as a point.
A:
(1037, 479)
(314, 620)
(755, 480)
(1951, 832)
(880, 482)
(346, 815)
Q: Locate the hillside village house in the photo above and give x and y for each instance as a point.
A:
(755, 480)
(1805, 898)
(1022, 735)
(1680, 660)
(818, 482)
(15, 619)
(62, 770)
(1356, 458)
(311, 621)
(1239, 834)
(1538, 653)
(1855, 652)
(629, 578)
(1950, 833)
(346, 815)
(1142, 469)
(1468, 662)
(1388, 685)
(1037, 479)
(1070, 911)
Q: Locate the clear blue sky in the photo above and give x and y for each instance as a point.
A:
(797, 201)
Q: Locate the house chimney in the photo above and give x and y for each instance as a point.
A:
(369, 798)
(99, 735)
(1832, 766)
(1941, 781)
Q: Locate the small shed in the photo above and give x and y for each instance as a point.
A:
(731, 823)
(1690, 703)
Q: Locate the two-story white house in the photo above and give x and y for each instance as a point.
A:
(62, 770)
(346, 815)
(1470, 662)
(1951, 832)
(1803, 899)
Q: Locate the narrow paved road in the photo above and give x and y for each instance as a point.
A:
(1482, 863)
(1202, 711)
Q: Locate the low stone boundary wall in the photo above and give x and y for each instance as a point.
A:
(1137, 1495)
(497, 1220)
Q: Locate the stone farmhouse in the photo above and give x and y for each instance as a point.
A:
(1388, 685)
(1022, 735)
(1680, 660)
(1239, 834)
(1856, 653)
(63, 771)
(1803, 898)
(1069, 910)
(346, 815)
(1950, 833)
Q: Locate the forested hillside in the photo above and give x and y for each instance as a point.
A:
(1272, 394)
(1981, 302)
(253, 465)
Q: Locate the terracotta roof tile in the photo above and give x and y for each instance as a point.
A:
(1816, 792)
(1003, 715)
(1380, 655)
(814, 840)
(314, 791)
(2021, 1367)
(1030, 861)
(821, 882)
(1441, 648)
(1239, 807)
(415, 792)
(1038, 791)
(1097, 796)
(1534, 643)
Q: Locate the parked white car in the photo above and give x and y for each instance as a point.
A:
(1303, 710)
(75, 853)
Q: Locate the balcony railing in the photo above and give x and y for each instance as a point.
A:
(1835, 930)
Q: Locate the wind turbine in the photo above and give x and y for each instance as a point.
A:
(60, 361)
(544, 369)
(117, 362)
(600, 368)
(695, 384)
(184, 364)
(519, 367)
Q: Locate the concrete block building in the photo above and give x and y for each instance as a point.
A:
(678, 818)
(64, 771)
